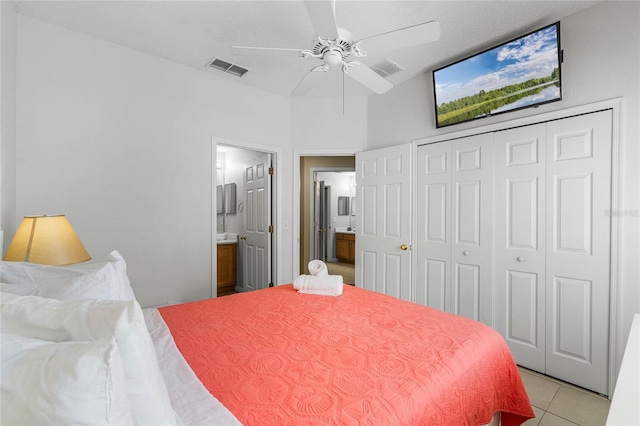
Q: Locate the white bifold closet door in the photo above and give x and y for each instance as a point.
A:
(552, 246)
(453, 227)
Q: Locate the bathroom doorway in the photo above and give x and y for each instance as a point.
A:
(328, 169)
(246, 217)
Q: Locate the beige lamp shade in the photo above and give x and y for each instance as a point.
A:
(47, 240)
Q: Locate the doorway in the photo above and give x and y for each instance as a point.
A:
(309, 167)
(248, 222)
(333, 233)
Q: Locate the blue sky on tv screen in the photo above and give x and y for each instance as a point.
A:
(532, 56)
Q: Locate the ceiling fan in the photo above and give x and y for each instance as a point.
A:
(334, 46)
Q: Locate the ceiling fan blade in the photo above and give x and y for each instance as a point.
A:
(369, 78)
(322, 14)
(309, 81)
(402, 38)
(267, 51)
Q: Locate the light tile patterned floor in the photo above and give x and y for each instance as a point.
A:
(557, 403)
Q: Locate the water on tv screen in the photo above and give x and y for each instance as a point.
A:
(521, 73)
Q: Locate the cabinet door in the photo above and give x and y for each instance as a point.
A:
(342, 248)
(519, 246)
(226, 265)
(352, 248)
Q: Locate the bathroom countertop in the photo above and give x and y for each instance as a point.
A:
(226, 238)
(345, 231)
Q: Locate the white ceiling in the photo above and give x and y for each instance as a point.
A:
(193, 32)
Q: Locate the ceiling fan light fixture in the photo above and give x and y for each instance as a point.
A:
(332, 58)
(335, 46)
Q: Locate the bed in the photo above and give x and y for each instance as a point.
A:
(269, 357)
(361, 357)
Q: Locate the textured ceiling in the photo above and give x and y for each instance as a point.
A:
(193, 32)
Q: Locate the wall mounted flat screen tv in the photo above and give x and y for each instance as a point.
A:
(521, 73)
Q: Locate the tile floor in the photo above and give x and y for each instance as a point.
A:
(557, 403)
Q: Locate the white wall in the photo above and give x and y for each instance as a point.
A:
(8, 45)
(601, 61)
(321, 124)
(121, 142)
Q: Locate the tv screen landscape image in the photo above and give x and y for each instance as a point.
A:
(521, 73)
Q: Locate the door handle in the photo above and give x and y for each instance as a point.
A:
(465, 253)
(404, 247)
(520, 259)
(243, 237)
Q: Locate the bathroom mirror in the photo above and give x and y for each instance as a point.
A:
(230, 198)
(343, 206)
(219, 199)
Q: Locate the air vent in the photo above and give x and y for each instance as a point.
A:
(387, 67)
(229, 68)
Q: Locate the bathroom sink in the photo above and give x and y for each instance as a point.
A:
(226, 238)
(346, 230)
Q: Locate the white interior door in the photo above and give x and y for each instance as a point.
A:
(519, 247)
(454, 221)
(383, 230)
(256, 242)
(578, 249)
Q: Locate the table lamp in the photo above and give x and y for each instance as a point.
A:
(47, 240)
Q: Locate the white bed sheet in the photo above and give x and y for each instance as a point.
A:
(191, 401)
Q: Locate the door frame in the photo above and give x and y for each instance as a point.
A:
(276, 205)
(615, 106)
(297, 154)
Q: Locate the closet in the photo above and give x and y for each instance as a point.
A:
(453, 248)
(513, 230)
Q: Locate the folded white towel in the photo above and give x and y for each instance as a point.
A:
(331, 285)
(318, 268)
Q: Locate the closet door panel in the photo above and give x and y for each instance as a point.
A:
(578, 249)
(471, 182)
(519, 249)
(433, 207)
(522, 303)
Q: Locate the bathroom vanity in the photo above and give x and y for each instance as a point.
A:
(346, 246)
(227, 260)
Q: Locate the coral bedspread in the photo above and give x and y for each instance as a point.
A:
(278, 357)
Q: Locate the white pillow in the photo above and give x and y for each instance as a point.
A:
(80, 320)
(103, 280)
(62, 383)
